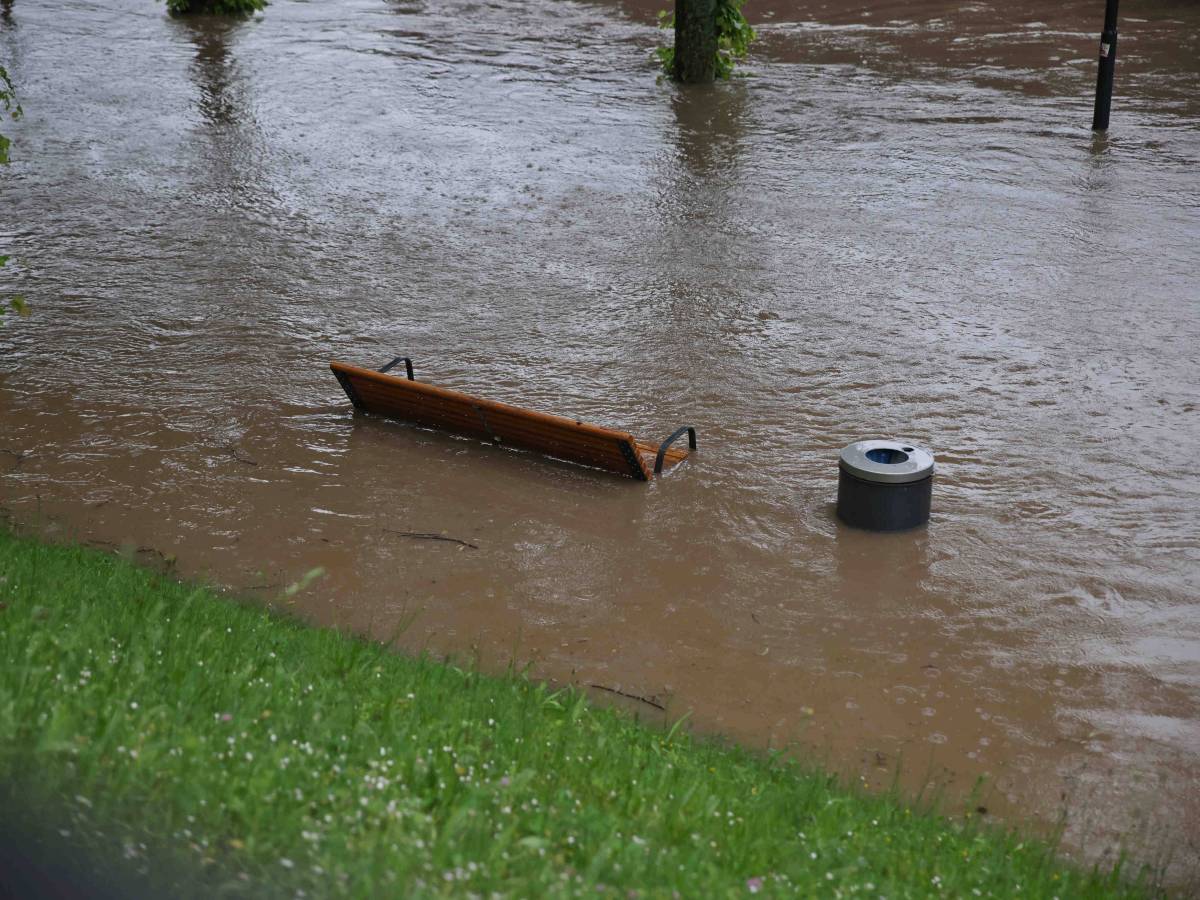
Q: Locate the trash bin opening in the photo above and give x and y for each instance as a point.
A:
(887, 455)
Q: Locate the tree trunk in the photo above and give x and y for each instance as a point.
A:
(695, 41)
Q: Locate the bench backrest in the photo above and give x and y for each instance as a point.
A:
(510, 426)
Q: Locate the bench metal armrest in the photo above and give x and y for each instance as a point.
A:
(407, 366)
(662, 449)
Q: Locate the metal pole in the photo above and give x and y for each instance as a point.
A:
(1108, 62)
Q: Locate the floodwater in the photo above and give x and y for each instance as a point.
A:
(901, 225)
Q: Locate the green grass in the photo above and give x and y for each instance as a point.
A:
(217, 748)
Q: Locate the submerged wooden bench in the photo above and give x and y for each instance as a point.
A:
(504, 425)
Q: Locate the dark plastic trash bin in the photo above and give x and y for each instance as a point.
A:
(884, 485)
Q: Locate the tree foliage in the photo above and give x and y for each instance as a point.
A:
(215, 7)
(734, 35)
(12, 109)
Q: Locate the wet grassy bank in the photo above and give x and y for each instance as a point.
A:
(193, 744)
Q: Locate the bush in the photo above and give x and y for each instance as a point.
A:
(215, 7)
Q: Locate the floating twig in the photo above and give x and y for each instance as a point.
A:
(19, 456)
(649, 701)
(429, 536)
(167, 560)
(238, 457)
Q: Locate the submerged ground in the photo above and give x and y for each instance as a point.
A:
(899, 225)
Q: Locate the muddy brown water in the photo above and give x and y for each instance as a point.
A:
(899, 225)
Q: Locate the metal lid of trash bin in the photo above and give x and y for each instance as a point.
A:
(887, 462)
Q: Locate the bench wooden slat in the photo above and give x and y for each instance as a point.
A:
(557, 436)
(386, 402)
(511, 429)
(673, 457)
